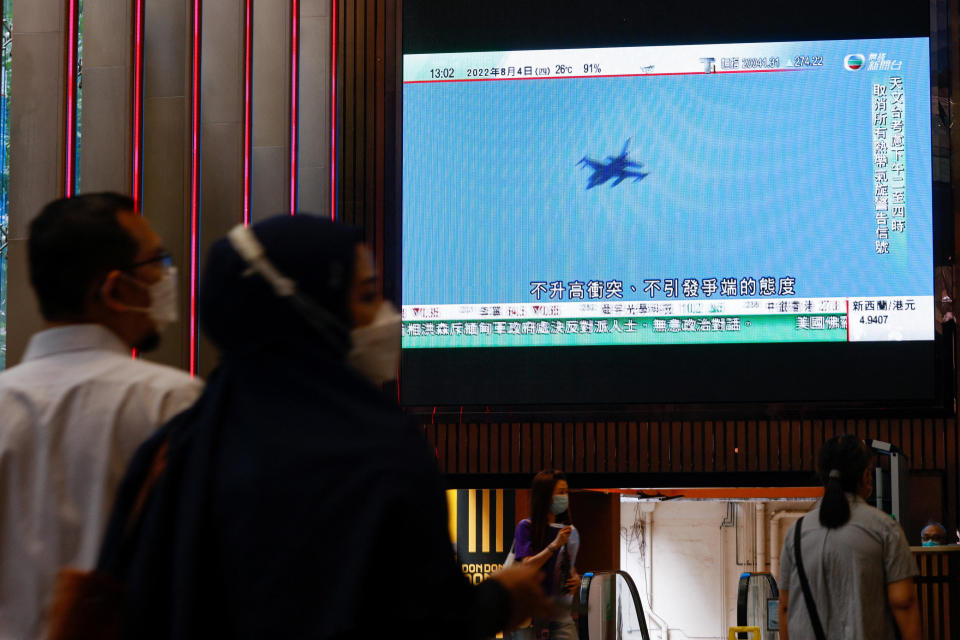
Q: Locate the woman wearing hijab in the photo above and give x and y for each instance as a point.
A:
(853, 574)
(296, 501)
(548, 541)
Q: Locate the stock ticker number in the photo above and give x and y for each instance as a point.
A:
(808, 61)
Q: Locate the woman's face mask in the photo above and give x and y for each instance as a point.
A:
(560, 504)
(375, 350)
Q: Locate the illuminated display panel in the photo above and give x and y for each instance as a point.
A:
(571, 212)
(634, 196)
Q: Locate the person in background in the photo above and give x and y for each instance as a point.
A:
(77, 407)
(549, 541)
(856, 559)
(933, 535)
(297, 500)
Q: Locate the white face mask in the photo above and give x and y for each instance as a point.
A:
(163, 298)
(560, 504)
(375, 350)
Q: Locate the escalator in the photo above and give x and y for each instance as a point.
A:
(757, 601)
(609, 607)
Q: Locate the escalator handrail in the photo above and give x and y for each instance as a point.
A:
(584, 600)
(774, 592)
(743, 588)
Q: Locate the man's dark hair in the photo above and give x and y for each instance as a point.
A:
(73, 242)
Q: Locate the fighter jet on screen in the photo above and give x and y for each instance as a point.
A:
(618, 167)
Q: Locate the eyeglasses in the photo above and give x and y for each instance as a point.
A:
(164, 258)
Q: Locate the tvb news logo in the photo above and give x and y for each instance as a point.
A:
(873, 62)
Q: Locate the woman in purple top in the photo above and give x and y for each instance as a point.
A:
(549, 541)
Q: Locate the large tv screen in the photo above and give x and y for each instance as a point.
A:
(693, 210)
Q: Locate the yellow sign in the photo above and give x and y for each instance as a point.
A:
(477, 572)
(481, 528)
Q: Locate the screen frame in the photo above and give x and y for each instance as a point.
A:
(942, 404)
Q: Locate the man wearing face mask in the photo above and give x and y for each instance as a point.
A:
(297, 500)
(75, 410)
(933, 535)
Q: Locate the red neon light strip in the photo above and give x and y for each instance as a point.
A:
(333, 110)
(136, 187)
(294, 99)
(70, 142)
(247, 107)
(618, 75)
(136, 181)
(194, 184)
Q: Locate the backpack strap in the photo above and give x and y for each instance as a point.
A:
(805, 584)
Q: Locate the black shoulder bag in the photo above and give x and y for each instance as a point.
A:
(805, 585)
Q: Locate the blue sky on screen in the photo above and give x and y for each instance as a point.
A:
(753, 174)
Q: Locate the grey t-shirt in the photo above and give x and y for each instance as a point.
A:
(849, 569)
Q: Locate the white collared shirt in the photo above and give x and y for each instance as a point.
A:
(71, 416)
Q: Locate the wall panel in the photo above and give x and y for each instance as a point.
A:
(107, 129)
(165, 205)
(271, 108)
(107, 78)
(314, 148)
(222, 90)
(367, 188)
(36, 149)
(166, 157)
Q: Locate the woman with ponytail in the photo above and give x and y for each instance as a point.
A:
(855, 575)
(549, 541)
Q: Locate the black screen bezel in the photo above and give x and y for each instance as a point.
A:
(572, 382)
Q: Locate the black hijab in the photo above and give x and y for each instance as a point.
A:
(297, 501)
(239, 311)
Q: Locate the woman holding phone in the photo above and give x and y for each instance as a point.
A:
(549, 541)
